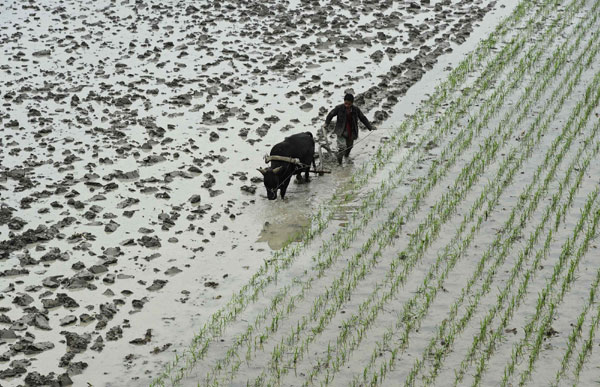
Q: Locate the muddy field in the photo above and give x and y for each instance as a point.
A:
(137, 245)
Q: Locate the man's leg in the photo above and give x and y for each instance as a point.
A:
(341, 148)
(349, 143)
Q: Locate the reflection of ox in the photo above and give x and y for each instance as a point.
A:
(300, 147)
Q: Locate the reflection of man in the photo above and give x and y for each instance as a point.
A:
(346, 126)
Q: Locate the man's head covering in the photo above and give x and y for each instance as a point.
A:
(349, 97)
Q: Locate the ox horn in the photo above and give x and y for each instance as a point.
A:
(262, 171)
(276, 170)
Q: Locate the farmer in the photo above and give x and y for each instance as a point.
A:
(346, 126)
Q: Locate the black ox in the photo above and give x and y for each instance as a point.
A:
(298, 146)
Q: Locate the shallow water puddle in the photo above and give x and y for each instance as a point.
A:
(277, 234)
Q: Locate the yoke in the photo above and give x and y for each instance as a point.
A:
(292, 160)
(283, 158)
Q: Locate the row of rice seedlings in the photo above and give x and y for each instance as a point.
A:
(518, 350)
(394, 352)
(473, 349)
(553, 300)
(587, 346)
(496, 335)
(513, 303)
(326, 365)
(283, 259)
(542, 301)
(577, 331)
(528, 275)
(345, 243)
(276, 357)
(522, 255)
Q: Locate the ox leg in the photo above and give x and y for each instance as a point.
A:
(314, 166)
(284, 188)
(298, 174)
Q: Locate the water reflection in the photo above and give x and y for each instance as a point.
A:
(276, 233)
(284, 220)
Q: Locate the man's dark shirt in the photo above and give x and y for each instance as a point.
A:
(342, 120)
(348, 122)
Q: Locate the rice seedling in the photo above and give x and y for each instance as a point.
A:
(557, 298)
(577, 331)
(515, 300)
(587, 346)
(556, 225)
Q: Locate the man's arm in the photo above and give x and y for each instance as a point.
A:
(330, 116)
(364, 120)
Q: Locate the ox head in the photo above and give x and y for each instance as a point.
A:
(271, 180)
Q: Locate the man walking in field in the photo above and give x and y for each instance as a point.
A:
(346, 126)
